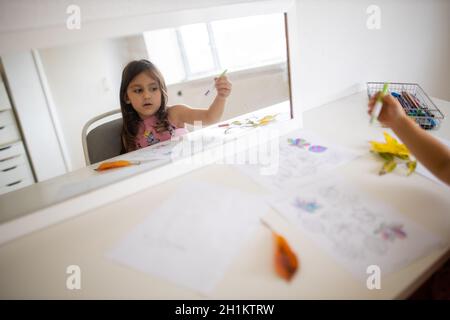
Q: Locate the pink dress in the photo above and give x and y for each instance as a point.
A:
(147, 134)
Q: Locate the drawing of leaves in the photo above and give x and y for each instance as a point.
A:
(308, 206)
(317, 149)
(391, 232)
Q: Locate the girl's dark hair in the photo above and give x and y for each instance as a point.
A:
(131, 119)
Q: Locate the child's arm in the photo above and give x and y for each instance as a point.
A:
(181, 114)
(428, 150)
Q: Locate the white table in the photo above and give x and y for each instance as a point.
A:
(34, 266)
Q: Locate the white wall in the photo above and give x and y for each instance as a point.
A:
(84, 81)
(338, 52)
(252, 90)
(40, 24)
(30, 14)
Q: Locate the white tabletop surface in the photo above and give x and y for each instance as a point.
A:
(34, 266)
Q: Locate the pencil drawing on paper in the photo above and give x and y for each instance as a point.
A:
(304, 144)
(308, 206)
(353, 228)
(391, 232)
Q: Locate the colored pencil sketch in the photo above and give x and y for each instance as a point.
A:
(352, 227)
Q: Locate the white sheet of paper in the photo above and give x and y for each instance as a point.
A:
(192, 237)
(297, 164)
(159, 151)
(356, 230)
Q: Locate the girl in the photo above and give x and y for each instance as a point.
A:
(146, 117)
(428, 150)
(436, 157)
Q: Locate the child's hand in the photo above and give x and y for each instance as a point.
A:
(223, 86)
(392, 112)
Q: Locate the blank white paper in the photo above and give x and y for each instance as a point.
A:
(192, 237)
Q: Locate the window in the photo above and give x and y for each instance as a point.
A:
(164, 51)
(203, 49)
(196, 44)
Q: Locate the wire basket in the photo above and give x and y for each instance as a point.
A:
(416, 103)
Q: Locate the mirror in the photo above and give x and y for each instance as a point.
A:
(83, 81)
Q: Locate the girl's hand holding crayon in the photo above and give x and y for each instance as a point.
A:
(223, 86)
(392, 113)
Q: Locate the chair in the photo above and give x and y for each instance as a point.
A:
(101, 137)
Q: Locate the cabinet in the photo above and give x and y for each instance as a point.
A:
(15, 169)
